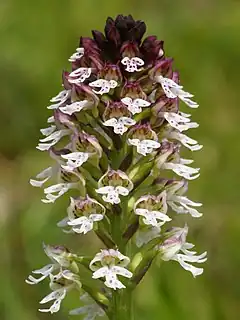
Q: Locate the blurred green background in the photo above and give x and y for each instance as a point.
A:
(37, 37)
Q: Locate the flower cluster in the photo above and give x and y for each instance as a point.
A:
(115, 135)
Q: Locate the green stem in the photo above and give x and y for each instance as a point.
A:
(122, 306)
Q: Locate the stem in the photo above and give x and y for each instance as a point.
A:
(121, 303)
(105, 238)
(122, 306)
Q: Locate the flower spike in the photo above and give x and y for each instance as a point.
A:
(116, 133)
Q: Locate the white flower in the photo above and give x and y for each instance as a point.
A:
(135, 106)
(61, 283)
(42, 177)
(144, 146)
(173, 90)
(152, 217)
(47, 131)
(71, 180)
(185, 161)
(51, 119)
(182, 170)
(45, 272)
(181, 204)
(183, 259)
(82, 213)
(85, 224)
(179, 122)
(77, 55)
(74, 107)
(185, 140)
(52, 139)
(74, 160)
(132, 64)
(92, 309)
(122, 186)
(120, 125)
(57, 190)
(59, 260)
(177, 243)
(111, 194)
(79, 75)
(108, 264)
(144, 235)
(104, 85)
(60, 99)
(58, 296)
(183, 114)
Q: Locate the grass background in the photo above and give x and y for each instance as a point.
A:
(37, 37)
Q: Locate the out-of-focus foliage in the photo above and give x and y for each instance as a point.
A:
(37, 37)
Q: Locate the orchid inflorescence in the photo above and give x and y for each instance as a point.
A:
(115, 135)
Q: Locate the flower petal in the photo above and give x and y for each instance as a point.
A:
(74, 107)
(105, 85)
(54, 295)
(77, 55)
(105, 190)
(112, 282)
(194, 270)
(100, 273)
(121, 271)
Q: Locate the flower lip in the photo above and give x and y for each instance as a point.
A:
(77, 55)
(145, 146)
(109, 264)
(132, 64)
(135, 106)
(79, 75)
(104, 85)
(120, 125)
(152, 208)
(83, 213)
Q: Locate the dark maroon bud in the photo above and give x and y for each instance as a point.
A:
(89, 45)
(92, 57)
(129, 29)
(137, 32)
(99, 38)
(152, 49)
(112, 33)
